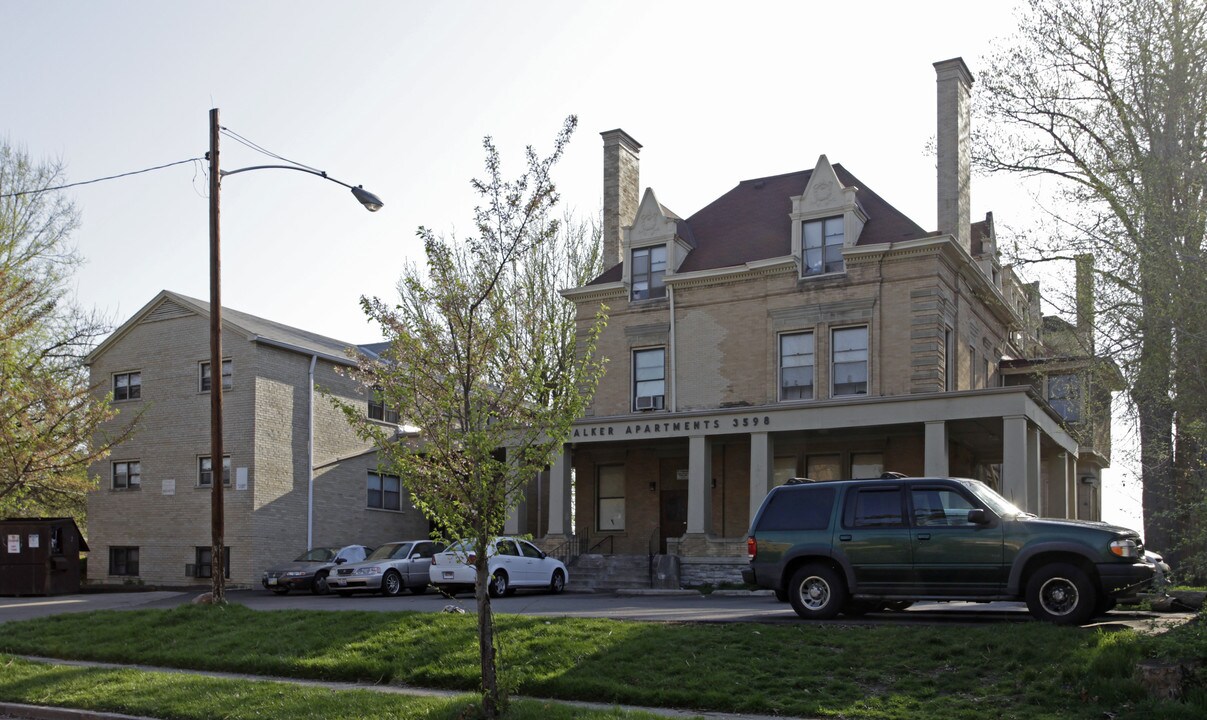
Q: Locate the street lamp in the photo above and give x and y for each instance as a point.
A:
(217, 516)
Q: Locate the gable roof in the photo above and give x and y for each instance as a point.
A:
(168, 304)
(751, 222)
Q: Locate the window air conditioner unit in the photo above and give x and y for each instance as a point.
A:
(649, 402)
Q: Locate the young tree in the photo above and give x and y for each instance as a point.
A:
(49, 414)
(479, 360)
(1106, 98)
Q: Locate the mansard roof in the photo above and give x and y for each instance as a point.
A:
(751, 222)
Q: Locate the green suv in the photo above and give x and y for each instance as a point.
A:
(854, 546)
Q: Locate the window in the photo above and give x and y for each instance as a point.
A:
(529, 550)
(822, 240)
(879, 507)
(649, 266)
(610, 508)
(796, 366)
(850, 353)
(823, 467)
(227, 375)
(785, 470)
(123, 561)
(940, 507)
(379, 411)
(205, 562)
(127, 386)
(385, 491)
(127, 475)
(649, 379)
(867, 465)
(971, 368)
(1064, 395)
(205, 471)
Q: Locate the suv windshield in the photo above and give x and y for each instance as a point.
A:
(317, 555)
(998, 504)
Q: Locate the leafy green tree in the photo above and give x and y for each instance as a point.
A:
(479, 359)
(49, 414)
(1105, 99)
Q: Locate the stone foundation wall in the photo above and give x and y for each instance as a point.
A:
(694, 571)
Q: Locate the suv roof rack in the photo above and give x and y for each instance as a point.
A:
(883, 476)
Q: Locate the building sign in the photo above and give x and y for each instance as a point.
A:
(34, 540)
(14, 544)
(671, 428)
(169, 486)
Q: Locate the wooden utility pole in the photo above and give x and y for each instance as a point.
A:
(217, 517)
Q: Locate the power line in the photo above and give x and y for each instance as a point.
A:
(89, 182)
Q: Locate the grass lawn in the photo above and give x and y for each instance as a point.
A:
(1018, 670)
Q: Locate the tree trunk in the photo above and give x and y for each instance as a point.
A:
(486, 639)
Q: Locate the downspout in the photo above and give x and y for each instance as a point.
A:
(670, 291)
(310, 455)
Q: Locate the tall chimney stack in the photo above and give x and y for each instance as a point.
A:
(954, 149)
(1084, 302)
(621, 191)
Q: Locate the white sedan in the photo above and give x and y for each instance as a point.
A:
(513, 563)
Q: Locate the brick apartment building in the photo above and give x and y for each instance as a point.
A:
(149, 520)
(800, 325)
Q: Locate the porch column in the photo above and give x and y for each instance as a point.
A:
(699, 485)
(1057, 487)
(761, 467)
(559, 492)
(935, 462)
(1035, 498)
(517, 516)
(1014, 459)
(1070, 485)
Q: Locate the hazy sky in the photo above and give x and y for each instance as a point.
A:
(398, 95)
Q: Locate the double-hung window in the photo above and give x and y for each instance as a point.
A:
(649, 379)
(384, 491)
(822, 245)
(127, 386)
(127, 475)
(207, 376)
(205, 471)
(123, 561)
(649, 267)
(796, 366)
(204, 567)
(379, 411)
(850, 361)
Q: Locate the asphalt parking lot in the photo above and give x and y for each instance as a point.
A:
(650, 605)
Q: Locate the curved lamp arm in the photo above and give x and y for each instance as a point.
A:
(371, 202)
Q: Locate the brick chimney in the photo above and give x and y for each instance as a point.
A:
(953, 142)
(1084, 302)
(621, 191)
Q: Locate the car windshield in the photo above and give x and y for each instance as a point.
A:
(461, 547)
(317, 555)
(391, 551)
(996, 503)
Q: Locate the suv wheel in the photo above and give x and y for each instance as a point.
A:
(816, 592)
(1061, 593)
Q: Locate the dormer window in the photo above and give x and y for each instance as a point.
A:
(649, 267)
(822, 241)
(1064, 395)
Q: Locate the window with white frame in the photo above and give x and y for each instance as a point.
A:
(227, 375)
(1064, 395)
(849, 353)
(127, 386)
(796, 366)
(205, 471)
(649, 379)
(384, 491)
(649, 267)
(610, 498)
(821, 242)
(127, 475)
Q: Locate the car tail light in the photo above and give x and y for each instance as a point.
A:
(471, 558)
(752, 548)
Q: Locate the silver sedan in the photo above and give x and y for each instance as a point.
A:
(391, 568)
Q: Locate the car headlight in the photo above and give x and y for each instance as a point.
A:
(296, 573)
(371, 570)
(1125, 548)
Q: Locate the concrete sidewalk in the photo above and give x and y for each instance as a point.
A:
(51, 713)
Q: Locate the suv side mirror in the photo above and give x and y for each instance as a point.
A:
(977, 516)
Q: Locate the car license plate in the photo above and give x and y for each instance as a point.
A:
(341, 583)
(272, 581)
(448, 574)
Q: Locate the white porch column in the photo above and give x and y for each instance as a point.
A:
(936, 449)
(699, 485)
(762, 465)
(1035, 498)
(559, 492)
(1014, 459)
(1070, 485)
(1057, 487)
